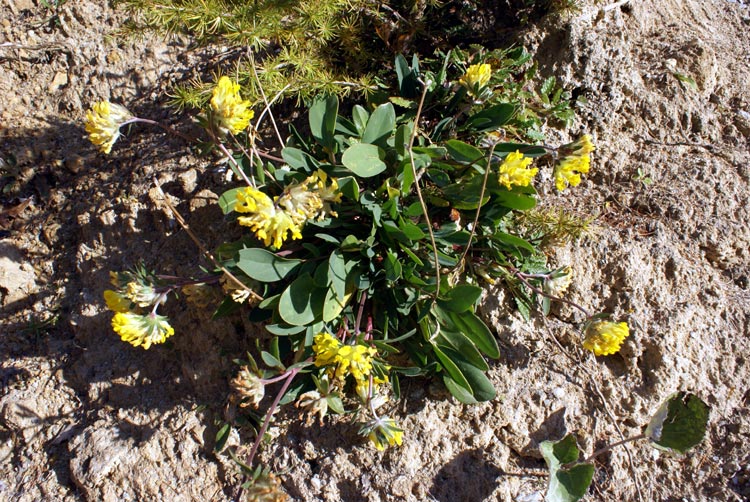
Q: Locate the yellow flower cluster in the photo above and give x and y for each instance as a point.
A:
(273, 221)
(355, 360)
(604, 337)
(141, 330)
(476, 77)
(230, 112)
(383, 432)
(135, 290)
(515, 170)
(103, 122)
(575, 162)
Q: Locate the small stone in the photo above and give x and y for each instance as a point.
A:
(59, 80)
(74, 163)
(113, 57)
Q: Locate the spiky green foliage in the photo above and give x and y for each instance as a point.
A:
(306, 47)
(554, 227)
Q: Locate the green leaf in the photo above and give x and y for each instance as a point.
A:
(565, 484)
(222, 436)
(463, 152)
(337, 274)
(411, 230)
(513, 242)
(492, 118)
(477, 331)
(270, 360)
(302, 302)
(360, 118)
(461, 393)
(527, 150)
(349, 187)
(679, 423)
(481, 386)
(297, 159)
(332, 306)
(453, 371)
(322, 118)
(380, 126)
(392, 266)
(461, 298)
(228, 200)
(364, 160)
(262, 265)
(514, 200)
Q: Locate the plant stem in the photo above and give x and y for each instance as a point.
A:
(269, 414)
(479, 206)
(419, 190)
(168, 129)
(610, 446)
(522, 277)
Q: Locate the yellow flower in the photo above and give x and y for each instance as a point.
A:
(476, 77)
(103, 122)
(604, 337)
(515, 170)
(231, 113)
(582, 146)
(383, 432)
(116, 302)
(568, 171)
(325, 346)
(142, 330)
(270, 224)
(355, 360)
(576, 160)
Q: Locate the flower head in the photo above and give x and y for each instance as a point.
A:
(355, 360)
(249, 387)
(271, 224)
(476, 77)
(103, 122)
(116, 302)
(558, 282)
(141, 330)
(576, 160)
(605, 337)
(326, 347)
(230, 112)
(515, 170)
(382, 432)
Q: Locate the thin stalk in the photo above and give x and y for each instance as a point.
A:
(613, 445)
(265, 100)
(419, 190)
(168, 129)
(522, 277)
(479, 207)
(200, 245)
(269, 414)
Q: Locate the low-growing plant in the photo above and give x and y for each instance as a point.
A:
(370, 238)
(677, 426)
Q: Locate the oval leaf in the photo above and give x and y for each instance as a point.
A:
(364, 160)
(679, 423)
(381, 124)
(302, 302)
(262, 265)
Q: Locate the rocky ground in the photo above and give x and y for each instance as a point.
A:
(86, 417)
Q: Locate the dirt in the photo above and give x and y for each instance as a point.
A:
(86, 417)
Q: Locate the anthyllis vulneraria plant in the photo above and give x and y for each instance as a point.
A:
(369, 243)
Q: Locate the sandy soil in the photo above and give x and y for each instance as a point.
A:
(85, 417)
